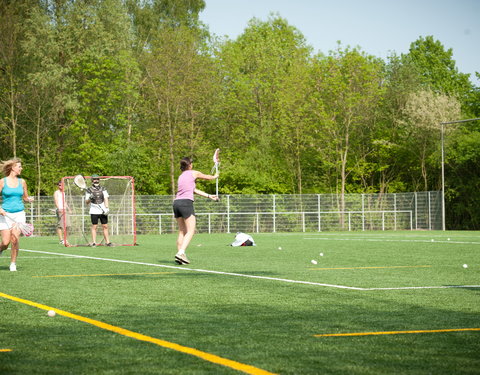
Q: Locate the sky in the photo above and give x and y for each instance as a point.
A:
(378, 27)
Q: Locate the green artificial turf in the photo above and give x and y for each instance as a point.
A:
(261, 306)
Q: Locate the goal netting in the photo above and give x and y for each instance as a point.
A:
(121, 215)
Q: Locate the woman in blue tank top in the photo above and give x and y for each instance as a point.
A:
(14, 193)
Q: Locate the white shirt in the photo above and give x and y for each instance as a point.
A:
(59, 198)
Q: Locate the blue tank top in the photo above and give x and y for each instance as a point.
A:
(12, 197)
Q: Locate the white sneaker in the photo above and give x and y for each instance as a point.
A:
(181, 259)
(13, 267)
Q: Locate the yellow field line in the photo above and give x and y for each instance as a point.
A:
(5, 350)
(361, 268)
(138, 336)
(396, 332)
(109, 274)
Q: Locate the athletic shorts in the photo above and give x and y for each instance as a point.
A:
(6, 223)
(183, 208)
(60, 221)
(95, 217)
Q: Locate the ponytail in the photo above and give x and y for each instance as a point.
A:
(185, 163)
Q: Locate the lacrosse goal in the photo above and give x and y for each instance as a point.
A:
(121, 216)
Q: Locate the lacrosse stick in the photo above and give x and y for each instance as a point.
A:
(25, 228)
(216, 161)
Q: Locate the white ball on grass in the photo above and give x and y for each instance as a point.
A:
(51, 313)
(279, 248)
(314, 261)
(321, 254)
(465, 266)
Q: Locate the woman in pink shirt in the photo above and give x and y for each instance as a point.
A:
(183, 206)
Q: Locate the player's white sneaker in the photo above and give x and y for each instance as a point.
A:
(13, 267)
(181, 259)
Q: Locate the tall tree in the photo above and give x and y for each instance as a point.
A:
(424, 111)
(462, 158)
(13, 66)
(260, 118)
(347, 94)
(180, 88)
(437, 68)
(97, 42)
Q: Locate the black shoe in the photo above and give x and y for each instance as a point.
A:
(109, 244)
(93, 244)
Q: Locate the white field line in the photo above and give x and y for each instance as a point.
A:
(252, 276)
(427, 287)
(346, 235)
(199, 270)
(23, 257)
(387, 240)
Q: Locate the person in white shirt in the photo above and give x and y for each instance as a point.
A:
(63, 220)
(97, 197)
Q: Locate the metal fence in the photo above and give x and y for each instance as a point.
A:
(277, 213)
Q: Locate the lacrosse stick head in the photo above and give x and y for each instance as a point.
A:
(216, 156)
(26, 229)
(80, 182)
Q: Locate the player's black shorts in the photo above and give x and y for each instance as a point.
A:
(103, 218)
(183, 208)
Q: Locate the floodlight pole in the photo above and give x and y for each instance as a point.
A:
(443, 162)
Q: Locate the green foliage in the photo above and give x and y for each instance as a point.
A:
(437, 69)
(462, 178)
(129, 87)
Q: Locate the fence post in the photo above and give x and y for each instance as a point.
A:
(83, 214)
(395, 211)
(416, 211)
(31, 211)
(274, 211)
(363, 212)
(429, 213)
(228, 213)
(319, 214)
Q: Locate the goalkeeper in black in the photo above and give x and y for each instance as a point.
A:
(97, 196)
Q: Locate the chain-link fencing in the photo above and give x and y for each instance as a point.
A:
(276, 213)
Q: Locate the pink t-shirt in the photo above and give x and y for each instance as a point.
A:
(186, 185)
